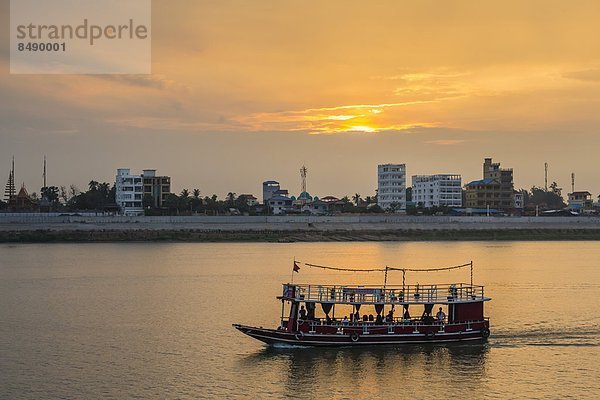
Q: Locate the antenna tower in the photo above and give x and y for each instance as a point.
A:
(572, 182)
(546, 176)
(44, 174)
(303, 172)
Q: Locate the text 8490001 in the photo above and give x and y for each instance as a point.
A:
(34, 46)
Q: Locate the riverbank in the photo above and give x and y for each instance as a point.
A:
(61, 228)
(147, 235)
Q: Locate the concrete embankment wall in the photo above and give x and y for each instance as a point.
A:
(40, 227)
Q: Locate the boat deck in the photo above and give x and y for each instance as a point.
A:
(402, 294)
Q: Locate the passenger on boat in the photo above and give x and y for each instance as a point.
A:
(371, 318)
(441, 316)
(302, 312)
(365, 318)
(426, 318)
(345, 321)
(379, 319)
(390, 316)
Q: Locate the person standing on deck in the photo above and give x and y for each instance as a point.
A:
(441, 316)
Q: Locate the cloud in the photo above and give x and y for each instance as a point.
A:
(147, 81)
(366, 118)
(588, 75)
(445, 142)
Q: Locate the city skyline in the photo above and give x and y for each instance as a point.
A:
(291, 186)
(244, 93)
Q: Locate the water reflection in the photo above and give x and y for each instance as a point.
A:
(369, 371)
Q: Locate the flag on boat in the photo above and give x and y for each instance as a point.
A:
(296, 267)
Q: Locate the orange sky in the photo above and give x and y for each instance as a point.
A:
(248, 91)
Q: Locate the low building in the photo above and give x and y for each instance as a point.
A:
(518, 199)
(391, 186)
(280, 205)
(440, 190)
(22, 201)
(249, 199)
(581, 202)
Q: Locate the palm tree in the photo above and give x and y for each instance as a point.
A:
(231, 199)
(184, 194)
(93, 185)
(356, 198)
(196, 193)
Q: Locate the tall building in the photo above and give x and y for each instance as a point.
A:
(495, 190)
(129, 190)
(159, 187)
(391, 186)
(437, 190)
(269, 190)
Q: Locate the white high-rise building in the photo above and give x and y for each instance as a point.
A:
(391, 186)
(129, 191)
(437, 190)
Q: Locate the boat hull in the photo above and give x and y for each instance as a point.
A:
(273, 336)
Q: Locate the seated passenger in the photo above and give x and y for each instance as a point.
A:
(371, 318)
(390, 316)
(345, 321)
(379, 319)
(365, 318)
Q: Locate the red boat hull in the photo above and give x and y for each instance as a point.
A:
(355, 336)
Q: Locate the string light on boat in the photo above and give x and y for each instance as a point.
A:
(386, 269)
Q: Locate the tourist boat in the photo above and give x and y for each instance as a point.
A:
(379, 315)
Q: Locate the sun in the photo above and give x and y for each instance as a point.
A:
(362, 128)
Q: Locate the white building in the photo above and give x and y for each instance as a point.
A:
(391, 186)
(280, 204)
(437, 190)
(518, 199)
(129, 192)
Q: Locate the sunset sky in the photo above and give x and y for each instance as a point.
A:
(246, 91)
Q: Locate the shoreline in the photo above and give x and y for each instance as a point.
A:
(199, 236)
(36, 228)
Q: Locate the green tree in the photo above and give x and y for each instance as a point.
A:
(172, 203)
(356, 198)
(230, 199)
(51, 193)
(148, 201)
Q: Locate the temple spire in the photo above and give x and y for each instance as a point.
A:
(10, 192)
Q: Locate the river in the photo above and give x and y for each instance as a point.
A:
(153, 321)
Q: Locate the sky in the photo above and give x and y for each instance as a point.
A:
(242, 92)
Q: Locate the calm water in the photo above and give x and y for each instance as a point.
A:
(153, 321)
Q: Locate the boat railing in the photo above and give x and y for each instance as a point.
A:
(415, 322)
(406, 294)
